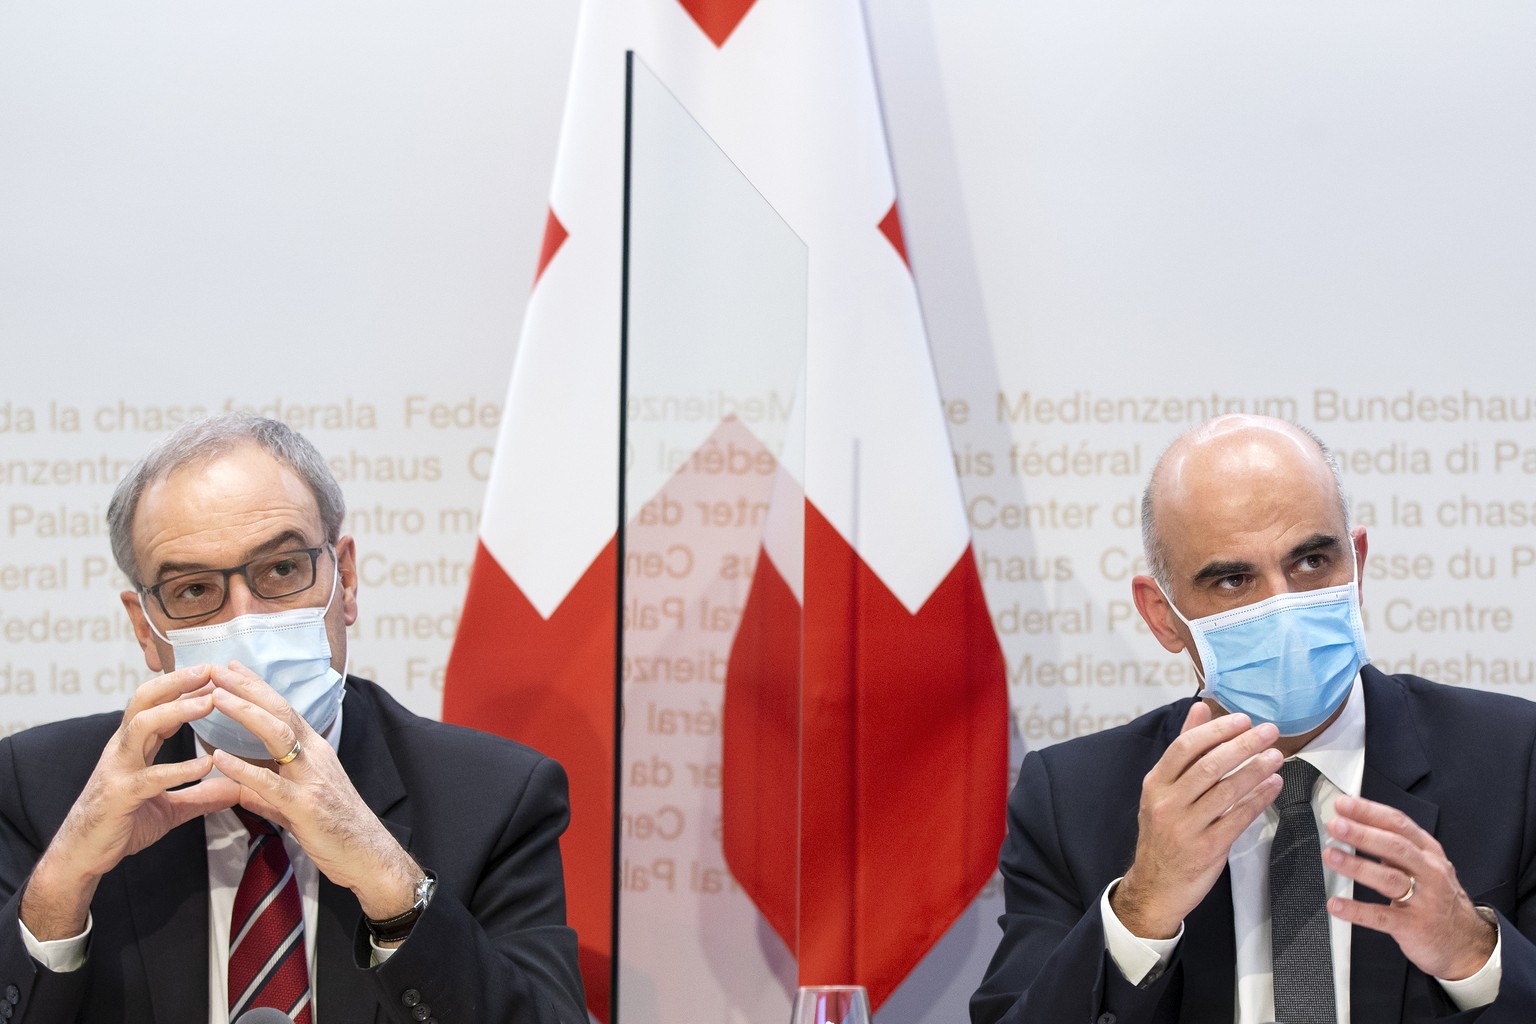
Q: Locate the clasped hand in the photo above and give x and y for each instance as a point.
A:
(130, 802)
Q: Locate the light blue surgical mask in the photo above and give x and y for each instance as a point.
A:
(289, 649)
(1290, 659)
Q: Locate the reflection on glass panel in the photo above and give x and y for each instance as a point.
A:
(715, 328)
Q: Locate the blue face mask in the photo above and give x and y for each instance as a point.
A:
(289, 649)
(1290, 659)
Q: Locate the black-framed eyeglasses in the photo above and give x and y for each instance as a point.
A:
(193, 595)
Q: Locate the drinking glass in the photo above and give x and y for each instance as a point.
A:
(831, 1004)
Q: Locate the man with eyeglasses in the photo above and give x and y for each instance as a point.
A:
(259, 829)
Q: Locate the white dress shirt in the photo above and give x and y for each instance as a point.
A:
(1338, 753)
(228, 841)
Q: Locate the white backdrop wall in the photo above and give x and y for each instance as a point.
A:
(1123, 217)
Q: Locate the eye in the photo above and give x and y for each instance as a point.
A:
(192, 594)
(191, 588)
(1236, 581)
(282, 568)
(1315, 562)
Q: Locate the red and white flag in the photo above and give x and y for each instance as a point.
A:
(898, 731)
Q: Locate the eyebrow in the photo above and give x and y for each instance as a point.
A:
(1232, 567)
(1220, 570)
(1315, 543)
(283, 541)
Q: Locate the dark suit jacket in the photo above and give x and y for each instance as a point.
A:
(1459, 762)
(482, 812)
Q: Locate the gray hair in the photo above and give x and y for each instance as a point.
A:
(1156, 549)
(207, 438)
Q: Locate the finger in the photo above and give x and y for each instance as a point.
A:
(166, 687)
(158, 778)
(275, 733)
(148, 730)
(1223, 760)
(205, 797)
(261, 789)
(1195, 744)
(1241, 814)
(1238, 784)
(1388, 819)
(1391, 847)
(1391, 882)
(1199, 713)
(1376, 916)
(237, 679)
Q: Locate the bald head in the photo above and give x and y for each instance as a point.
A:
(1211, 471)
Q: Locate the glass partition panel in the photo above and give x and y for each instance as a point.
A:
(711, 539)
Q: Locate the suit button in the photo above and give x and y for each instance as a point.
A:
(422, 1012)
(1106, 1018)
(12, 994)
(6, 1009)
(411, 997)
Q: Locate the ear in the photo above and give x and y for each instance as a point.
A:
(142, 631)
(1357, 538)
(346, 570)
(1158, 614)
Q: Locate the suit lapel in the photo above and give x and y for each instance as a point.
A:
(166, 889)
(340, 986)
(1395, 763)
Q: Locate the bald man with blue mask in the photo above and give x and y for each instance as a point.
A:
(1148, 869)
(1290, 659)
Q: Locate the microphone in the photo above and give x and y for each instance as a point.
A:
(264, 1015)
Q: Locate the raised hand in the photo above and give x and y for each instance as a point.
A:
(1195, 802)
(1431, 917)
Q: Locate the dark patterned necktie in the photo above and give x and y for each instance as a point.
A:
(1300, 950)
(267, 963)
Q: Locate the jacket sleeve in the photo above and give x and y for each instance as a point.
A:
(34, 994)
(493, 943)
(1516, 1002)
(1052, 964)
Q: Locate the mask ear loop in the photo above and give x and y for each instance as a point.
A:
(149, 619)
(346, 660)
(1199, 673)
(335, 579)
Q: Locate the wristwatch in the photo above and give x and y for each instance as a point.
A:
(394, 929)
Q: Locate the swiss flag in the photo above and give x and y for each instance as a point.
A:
(865, 719)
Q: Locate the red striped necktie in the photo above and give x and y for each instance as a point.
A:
(267, 962)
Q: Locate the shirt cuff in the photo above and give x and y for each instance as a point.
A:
(1481, 988)
(1140, 960)
(381, 953)
(59, 955)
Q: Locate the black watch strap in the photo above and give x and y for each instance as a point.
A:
(394, 929)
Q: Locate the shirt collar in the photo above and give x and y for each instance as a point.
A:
(1338, 752)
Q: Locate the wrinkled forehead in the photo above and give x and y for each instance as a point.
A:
(222, 505)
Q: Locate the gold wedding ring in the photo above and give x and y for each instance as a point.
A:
(1413, 886)
(297, 748)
